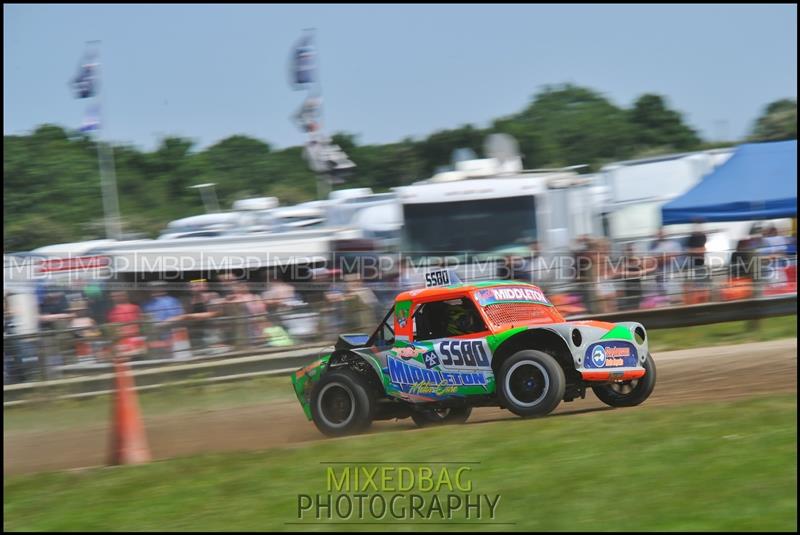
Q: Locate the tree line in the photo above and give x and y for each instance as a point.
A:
(51, 180)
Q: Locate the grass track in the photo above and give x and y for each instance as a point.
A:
(725, 466)
(75, 413)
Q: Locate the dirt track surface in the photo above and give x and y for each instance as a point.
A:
(705, 374)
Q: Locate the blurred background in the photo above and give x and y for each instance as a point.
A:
(175, 192)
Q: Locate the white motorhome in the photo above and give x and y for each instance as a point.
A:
(637, 189)
(488, 206)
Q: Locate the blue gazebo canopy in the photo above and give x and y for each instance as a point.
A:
(758, 182)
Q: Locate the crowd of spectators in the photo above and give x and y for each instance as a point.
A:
(664, 271)
(224, 314)
(159, 320)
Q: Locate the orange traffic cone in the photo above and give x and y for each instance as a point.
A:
(128, 439)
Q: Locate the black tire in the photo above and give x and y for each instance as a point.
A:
(530, 383)
(629, 393)
(342, 403)
(441, 417)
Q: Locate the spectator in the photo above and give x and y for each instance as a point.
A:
(87, 337)
(256, 308)
(696, 247)
(13, 365)
(605, 288)
(740, 271)
(244, 303)
(583, 255)
(128, 334)
(695, 288)
(53, 315)
(54, 310)
(665, 252)
(741, 260)
(772, 253)
(203, 306)
(360, 305)
(97, 305)
(162, 307)
(277, 336)
(634, 271)
(534, 266)
(772, 242)
(19, 353)
(280, 295)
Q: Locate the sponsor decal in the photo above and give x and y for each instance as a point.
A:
(427, 387)
(505, 294)
(599, 356)
(401, 312)
(431, 359)
(410, 352)
(611, 354)
(403, 373)
(463, 353)
(402, 318)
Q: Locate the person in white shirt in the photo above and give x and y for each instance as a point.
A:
(666, 252)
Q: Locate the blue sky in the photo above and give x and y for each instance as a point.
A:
(388, 71)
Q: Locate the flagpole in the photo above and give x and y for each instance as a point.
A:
(324, 158)
(105, 160)
(323, 180)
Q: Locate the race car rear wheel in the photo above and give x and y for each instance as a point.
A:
(441, 416)
(530, 383)
(341, 403)
(629, 393)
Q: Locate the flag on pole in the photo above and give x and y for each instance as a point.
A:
(91, 120)
(326, 157)
(308, 116)
(303, 62)
(85, 83)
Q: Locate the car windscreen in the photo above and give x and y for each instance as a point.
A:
(510, 305)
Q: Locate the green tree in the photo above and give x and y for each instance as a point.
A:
(658, 126)
(51, 182)
(777, 122)
(583, 126)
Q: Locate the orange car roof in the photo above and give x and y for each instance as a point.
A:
(455, 289)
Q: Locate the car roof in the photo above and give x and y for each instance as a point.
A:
(456, 289)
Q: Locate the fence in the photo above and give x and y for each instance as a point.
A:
(158, 373)
(74, 352)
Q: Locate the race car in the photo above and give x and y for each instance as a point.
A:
(451, 346)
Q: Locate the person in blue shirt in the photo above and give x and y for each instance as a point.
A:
(162, 306)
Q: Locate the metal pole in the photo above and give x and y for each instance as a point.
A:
(108, 179)
(210, 203)
(323, 180)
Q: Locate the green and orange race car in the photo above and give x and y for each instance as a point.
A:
(451, 346)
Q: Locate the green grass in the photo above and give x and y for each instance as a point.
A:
(734, 332)
(182, 399)
(62, 414)
(724, 466)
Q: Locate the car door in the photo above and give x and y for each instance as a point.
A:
(445, 354)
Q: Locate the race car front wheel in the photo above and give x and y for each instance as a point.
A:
(629, 393)
(341, 403)
(530, 383)
(441, 416)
